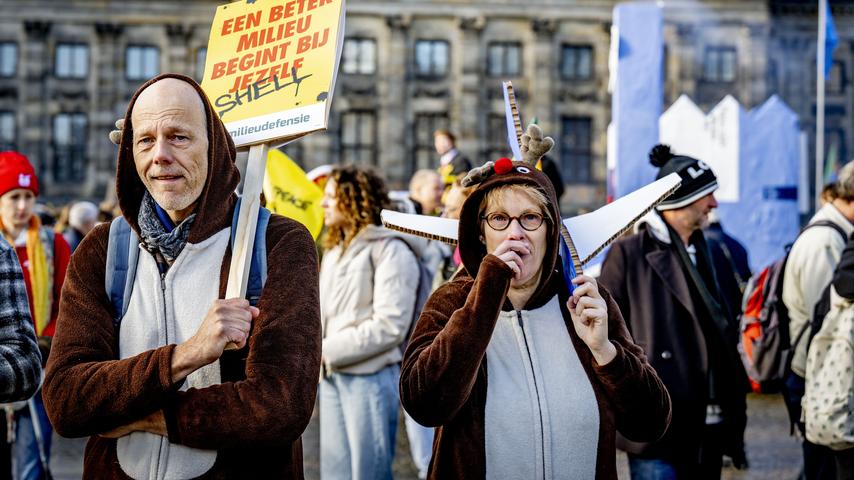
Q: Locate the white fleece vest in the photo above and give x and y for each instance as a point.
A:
(541, 419)
(162, 313)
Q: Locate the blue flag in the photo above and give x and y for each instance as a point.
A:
(831, 40)
(568, 267)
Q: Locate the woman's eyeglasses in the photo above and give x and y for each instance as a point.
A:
(499, 221)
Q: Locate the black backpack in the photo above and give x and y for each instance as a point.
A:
(764, 343)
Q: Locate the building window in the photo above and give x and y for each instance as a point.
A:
(8, 59)
(7, 131)
(424, 152)
(359, 137)
(719, 64)
(576, 62)
(142, 62)
(836, 80)
(69, 147)
(72, 60)
(359, 56)
(431, 58)
(576, 156)
(504, 59)
(201, 56)
(496, 138)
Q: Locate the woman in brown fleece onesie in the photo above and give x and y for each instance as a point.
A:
(522, 379)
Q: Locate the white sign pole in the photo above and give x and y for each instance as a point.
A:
(244, 238)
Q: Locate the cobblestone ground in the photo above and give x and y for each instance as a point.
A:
(773, 454)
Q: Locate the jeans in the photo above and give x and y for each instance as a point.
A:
(651, 469)
(818, 460)
(26, 461)
(358, 424)
(707, 465)
(420, 444)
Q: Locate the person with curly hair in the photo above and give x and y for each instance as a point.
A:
(368, 285)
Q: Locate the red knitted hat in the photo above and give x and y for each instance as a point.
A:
(17, 172)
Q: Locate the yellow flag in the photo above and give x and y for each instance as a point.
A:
(290, 193)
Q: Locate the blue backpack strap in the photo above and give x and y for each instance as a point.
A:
(120, 272)
(258, 262)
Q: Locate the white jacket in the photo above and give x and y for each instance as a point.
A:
(367, 298)
(159, 314)
(809, 270)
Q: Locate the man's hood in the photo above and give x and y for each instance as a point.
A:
(472, 250)
(215, 204)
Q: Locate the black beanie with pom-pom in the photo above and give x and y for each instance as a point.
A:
(698, 180)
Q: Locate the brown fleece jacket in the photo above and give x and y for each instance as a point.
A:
(444, 374)
(256, 416)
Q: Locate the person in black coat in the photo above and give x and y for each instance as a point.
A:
(452, 163)
(664, 280)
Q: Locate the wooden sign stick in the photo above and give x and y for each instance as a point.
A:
(244, 238)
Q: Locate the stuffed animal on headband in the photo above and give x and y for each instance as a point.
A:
(533, 146)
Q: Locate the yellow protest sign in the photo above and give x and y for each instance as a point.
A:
(271, 65)
(289, 192)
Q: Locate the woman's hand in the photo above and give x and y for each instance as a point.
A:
(589, 314)
(510, 252)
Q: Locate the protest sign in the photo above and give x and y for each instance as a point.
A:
(271, 65)
(269, 74)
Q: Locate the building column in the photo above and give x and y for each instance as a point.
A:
(392, 114)
(35, 129)
(107, 105)
(543, 88)
(466, 112)
(178, 54)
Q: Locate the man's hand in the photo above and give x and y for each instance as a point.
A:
(227, 321)
(589, 314)
(154, 423)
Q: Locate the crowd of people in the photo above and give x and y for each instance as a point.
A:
(502, 369)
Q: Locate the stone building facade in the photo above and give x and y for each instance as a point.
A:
(68, 69)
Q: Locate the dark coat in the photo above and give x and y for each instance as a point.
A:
(461, 164)
(648, 283)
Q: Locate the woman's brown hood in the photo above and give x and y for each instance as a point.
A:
(472, 250)
(215, 203)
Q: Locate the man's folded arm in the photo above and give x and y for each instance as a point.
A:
(273, 404)
(87, 390)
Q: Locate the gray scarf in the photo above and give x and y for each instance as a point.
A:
(154, 235)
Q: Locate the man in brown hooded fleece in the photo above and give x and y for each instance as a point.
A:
(159, 394)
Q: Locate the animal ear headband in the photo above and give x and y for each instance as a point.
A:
(533, 147)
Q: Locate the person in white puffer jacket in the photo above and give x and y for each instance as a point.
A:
(368, 286)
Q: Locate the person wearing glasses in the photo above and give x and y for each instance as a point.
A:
(522, 379)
